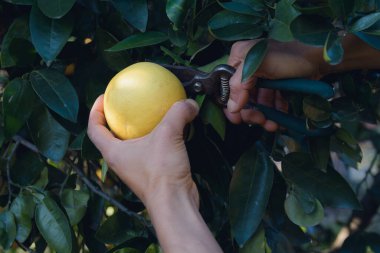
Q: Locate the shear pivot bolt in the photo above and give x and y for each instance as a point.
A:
(198, 87)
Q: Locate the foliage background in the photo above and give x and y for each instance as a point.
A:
(57, 56)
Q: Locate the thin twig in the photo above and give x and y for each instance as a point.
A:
(26, 143)
(24, 247)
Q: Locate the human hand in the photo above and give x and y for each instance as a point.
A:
(155, 163)
(283, 60)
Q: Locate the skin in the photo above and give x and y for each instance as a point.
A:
(163, 182)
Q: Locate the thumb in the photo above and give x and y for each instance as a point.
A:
(180, 114)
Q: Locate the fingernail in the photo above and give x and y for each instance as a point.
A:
(232, 106)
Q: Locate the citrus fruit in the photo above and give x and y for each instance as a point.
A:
(137, 98)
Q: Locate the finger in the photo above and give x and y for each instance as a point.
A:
(97, 131)
(270, 126)
(238, 52)
(266, 97)
(180, 114)
(280, 103)
(233, 117)
(239, 92)
(252, 116)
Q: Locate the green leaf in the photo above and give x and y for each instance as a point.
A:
(127, 250)
(329, 188)
(50, 137)
(23, 52)
(365, 22)
(320, 151)
(210, 66)
(280, 25)
(347, 147)
(27, 168)
(53, 225)
(139, 40)
(372, 40)
(55, 8)
(303, 209)
(134, 11)
(89, 151)
(21, 2)
(342, 8)
(19, 29)
(249, 193)
(213, 115)
(230, 26)
(333, 50)
(19, 101)
(75, 204)
(114, 60)
(254, 58)
(43, 181)
(316, 108)
(56, 91)
(177, 37)
(8, 226)
(49, 36)
(119, 228)
(176, 10)
(23, 210)
(153, 248)
(240, 8)
(311, 29)
(104, 170)
(257, 243)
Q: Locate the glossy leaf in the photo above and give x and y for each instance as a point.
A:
(240, 7)
(312, 30)
(213, 115)
(75, 204)
(43, 180)
(254, 58)
(333, 50)
(23, 210)
(316, 108)
(49, 36)
(320, 151)
(229, 26)
(257, 243)
(249, 193)
(139, 40)
(50, 137)
(153, 248)
(19, 100)
(365, 22)
(8, 229)
(19, 29)
(176, 10)
(347, 147)
(134, 11)
(53, 225)
(280, 25)
(27, 168)
(56, 91)
(298, 170)
(55, 8)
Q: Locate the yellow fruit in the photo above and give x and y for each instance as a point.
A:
(138, 97)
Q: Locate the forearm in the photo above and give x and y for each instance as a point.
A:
(357, 55)
(178, 223)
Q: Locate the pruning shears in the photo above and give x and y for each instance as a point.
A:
(216, 85)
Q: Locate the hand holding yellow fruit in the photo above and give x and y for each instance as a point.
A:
(138, 97)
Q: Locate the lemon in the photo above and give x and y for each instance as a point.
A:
(138, 97)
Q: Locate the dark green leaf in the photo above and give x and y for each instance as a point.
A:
(139, 40)
(43, 181)
(240, 7)
(176, 10)
(249, 193)
(333, 50)
(127, 250)
(254, 58)
(134, 11)
(53, 225)
(311, 29)
(342, 8)
(21, 2)
(365, 22)
(118, 228)
(230, 26)
(49, 36)
(8, 229)
(114, 60)
(18, 30)
(56, 91)
(316, 108)
(50, 137)
(280, 25)
(320, 151)
(23, 52)
(75, 204)
(23, 210)
(257, 243)
(55, 8)
(257, 5)
(153, 248)
(213, 115)
(298, 168)
(27, 168)
(178, 37)
(19, 100)
(347, 147)
(89, 151)
(372, 40)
